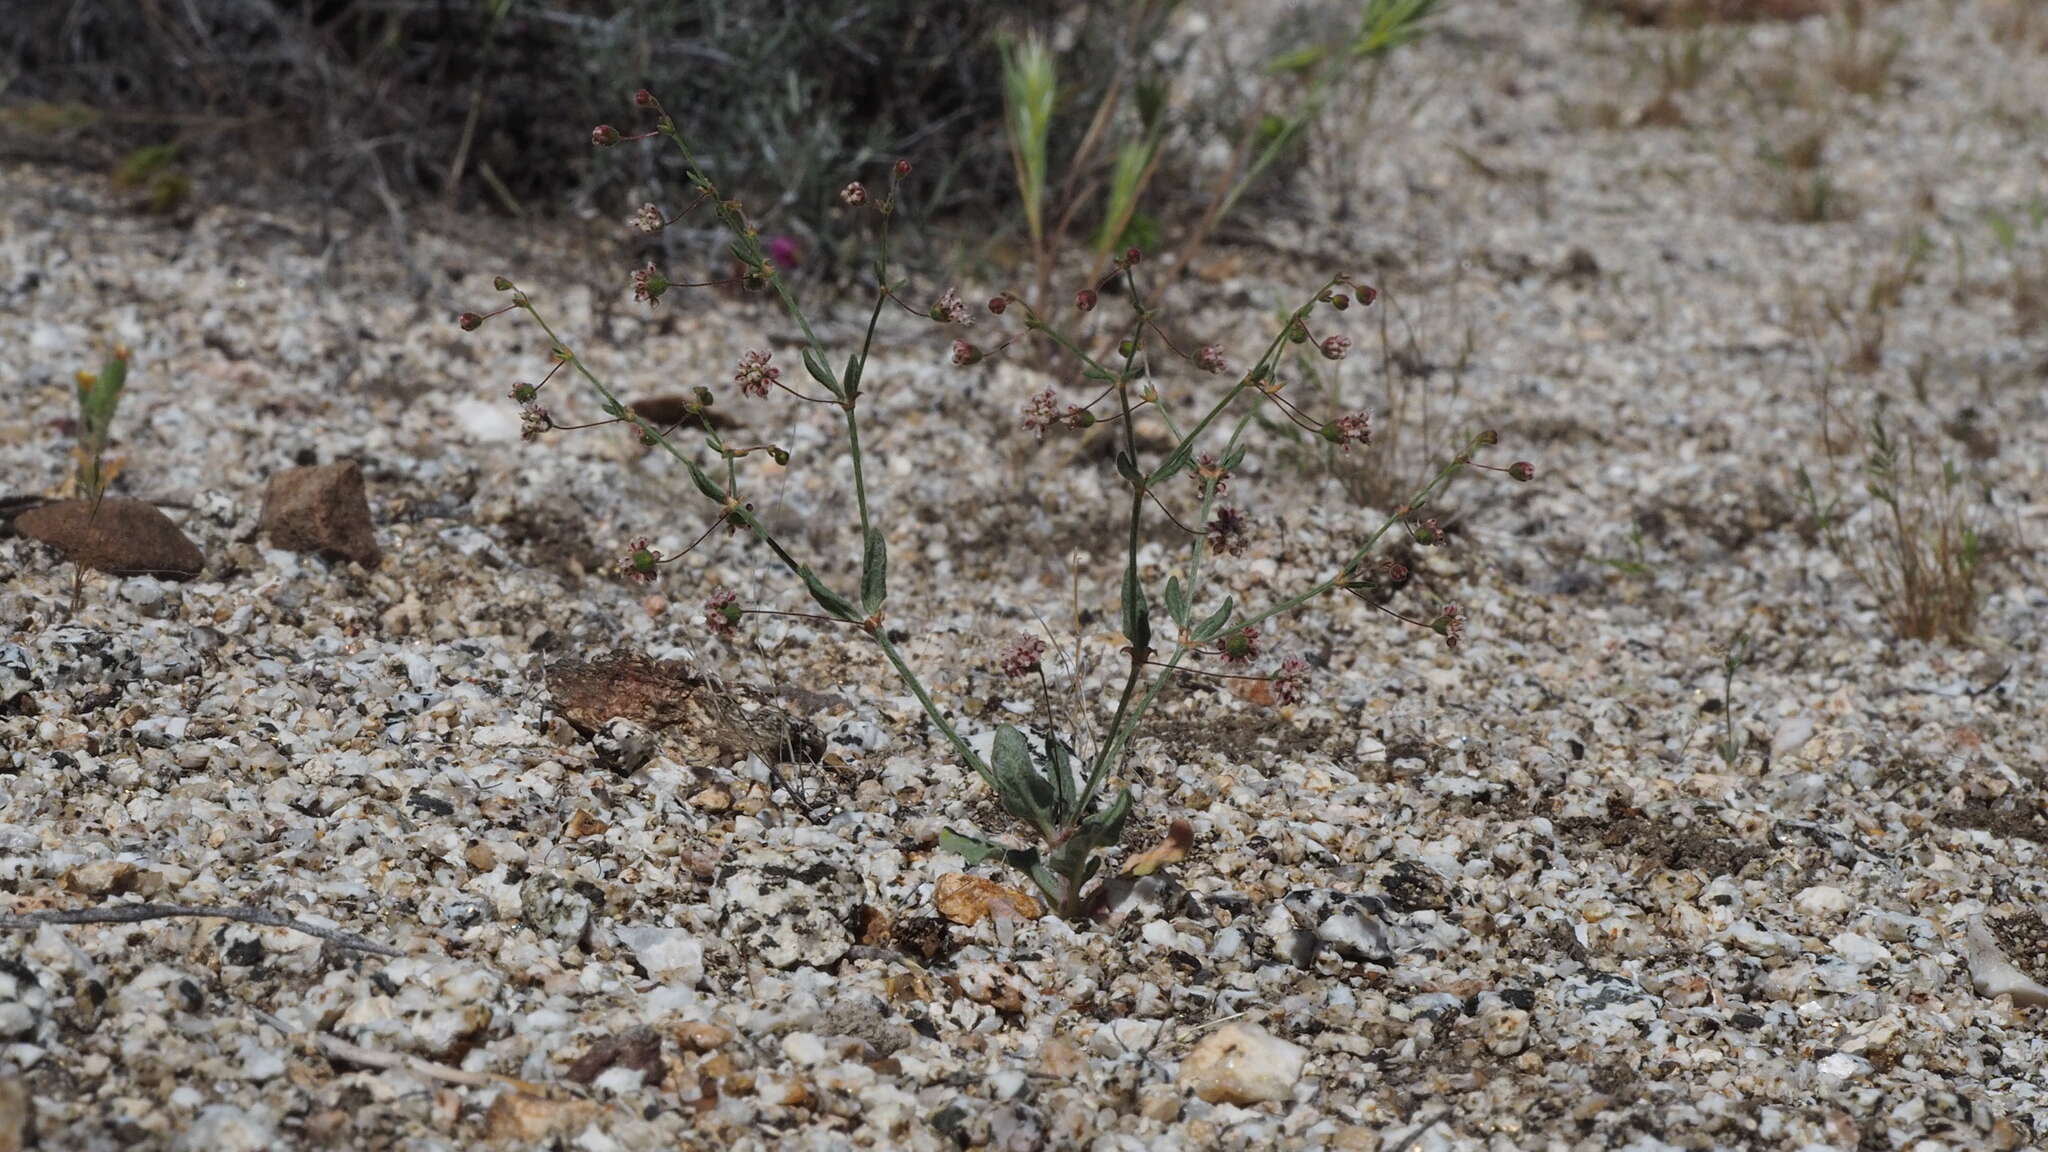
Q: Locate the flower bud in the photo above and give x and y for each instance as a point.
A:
(470, 321)
(902, 168)
(502, 284)
(1085, 300)
(524, 392)
(1340, 301)
(1334, 347)
(1132, 256)
(778, 454)
(1127, 349)
(965, 354)
(1490, 437)
(604, 135)
(1522, 470)
(644, 98)
(854, 194)
(997, 304)
(1366, 295)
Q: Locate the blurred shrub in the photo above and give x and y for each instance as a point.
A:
(488, 101)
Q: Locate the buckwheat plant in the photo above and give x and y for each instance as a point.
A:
(1063, 798)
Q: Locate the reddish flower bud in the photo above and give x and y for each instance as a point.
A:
(997, 304)
(470, 321)
(965, 354)
(1334, 347)
(1085, 300)
(1490, 437)
(644, 98)
(604, 135)
(1132, 256)
(854, 195)
(1522, 470)
(902, 168)
(1340, 301)
(1366, 295)
(502, 284)
(1021, 656)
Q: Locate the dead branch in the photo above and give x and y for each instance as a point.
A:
(137, 913)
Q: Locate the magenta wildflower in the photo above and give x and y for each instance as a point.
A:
(1227, 532)
(783, 251)
(755, 374)
(1021, 655)
(1240, 647)
(950, 309)
(640, 560)
(722, 613)
(1291, 682)
(1351, 428)
(1450, 624)
(649, 284)
(1040, 412)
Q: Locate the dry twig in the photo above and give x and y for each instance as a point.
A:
(137, 913)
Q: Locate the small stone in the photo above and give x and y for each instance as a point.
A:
(101, 878)
(699, 1036)
(1242, 1064)
(17, 1115)
(322, 510)
(716, 798)
(636, 1052)
(966, 899)
(523, 1117)
(124, 538)
(787, 913)
(1822, 900)
(1159, 1102)
(669, 954)
(583, 824)
(1505, 1031)
(226, 1128)
(1993, 975)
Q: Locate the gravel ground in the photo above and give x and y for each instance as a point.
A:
(1512, 896)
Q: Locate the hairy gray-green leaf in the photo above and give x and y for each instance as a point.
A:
(973, 848)
(1176, 601)
(827, 599)
(874, 572)
(1137, 617)
(1209, 628)
(1024, 793)
(820, 371)
(711, 491)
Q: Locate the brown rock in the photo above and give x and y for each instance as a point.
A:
(102, 878)
(322, 510)
(583, 823)
(966, 899)
(17, 1115)
(674, 411)
(713, 718)
(521, 1117)
(124, 538)
(638, 1049)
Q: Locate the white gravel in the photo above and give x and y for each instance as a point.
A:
(1509, 897)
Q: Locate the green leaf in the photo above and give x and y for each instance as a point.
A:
(973, 848)
(1176, 601)
(820, 371)
(1024, 793)
(1102, 829)
(827, 599)
(874, 572)
(1127, 469)
(1137, 615)
(1175, 464)
(1233, 458)
(1216, 622)
(712, 492)
(854, 367)
(1062, 773)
